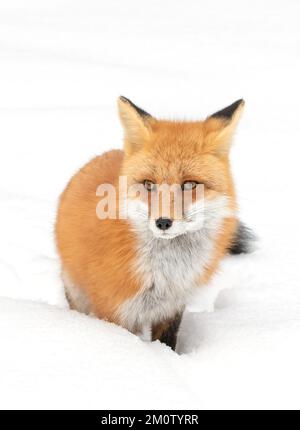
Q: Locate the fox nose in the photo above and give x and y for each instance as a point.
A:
(163, 223)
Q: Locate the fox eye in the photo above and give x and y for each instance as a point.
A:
(150, 186)
(189, 185)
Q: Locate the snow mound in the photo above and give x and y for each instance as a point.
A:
(54, 358)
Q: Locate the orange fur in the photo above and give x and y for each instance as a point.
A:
(99, 255)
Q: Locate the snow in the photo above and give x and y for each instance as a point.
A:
(62, 66)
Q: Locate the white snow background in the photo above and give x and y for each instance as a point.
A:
(62, 66)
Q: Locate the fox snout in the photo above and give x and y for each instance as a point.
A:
(164, 223)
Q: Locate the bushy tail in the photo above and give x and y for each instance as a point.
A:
(244, 240)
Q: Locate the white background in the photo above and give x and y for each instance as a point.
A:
(62, 66)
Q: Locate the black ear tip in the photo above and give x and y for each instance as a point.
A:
(240, 102)
(124, 99)
(228, 112)
(140, 111)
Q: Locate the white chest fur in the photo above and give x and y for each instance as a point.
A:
(170, 270)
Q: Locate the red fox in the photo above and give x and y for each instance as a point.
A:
(139, 270)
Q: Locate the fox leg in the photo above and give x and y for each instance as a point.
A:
(167, 331)
(75, 297)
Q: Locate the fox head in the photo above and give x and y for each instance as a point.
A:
(181, 170)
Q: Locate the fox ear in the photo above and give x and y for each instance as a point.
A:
(136, 124)
(220, 127)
